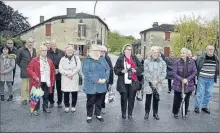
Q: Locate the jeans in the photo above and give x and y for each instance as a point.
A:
(204, 92)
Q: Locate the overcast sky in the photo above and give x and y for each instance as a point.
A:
(127, 17)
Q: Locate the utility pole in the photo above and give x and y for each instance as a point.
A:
(95, 25)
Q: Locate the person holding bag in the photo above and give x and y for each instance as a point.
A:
(154, 74)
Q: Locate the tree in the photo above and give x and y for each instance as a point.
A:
(11, 22)
(194, 34)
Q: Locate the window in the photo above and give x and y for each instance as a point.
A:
(167, 36)
(81, 30)
(145, 36)
(48, 30)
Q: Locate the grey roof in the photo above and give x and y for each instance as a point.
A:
(77, 16)
(162, 27)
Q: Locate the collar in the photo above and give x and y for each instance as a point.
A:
(43, 58)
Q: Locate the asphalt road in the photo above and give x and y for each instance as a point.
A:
(16, 117)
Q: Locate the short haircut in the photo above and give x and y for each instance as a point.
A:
(184, 50)
(5, 46)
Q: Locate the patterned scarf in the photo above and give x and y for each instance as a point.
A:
(133, 65)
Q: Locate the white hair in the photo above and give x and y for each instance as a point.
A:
(154, 49)
(184, 50)
(94, 47)
(103, 48)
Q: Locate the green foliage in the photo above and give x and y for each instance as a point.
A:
(116, 41)
(194, 34)
(17, 41)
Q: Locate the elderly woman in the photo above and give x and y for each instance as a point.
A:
(128, 68)
(42, 74)
(69, 67)
(140, 91)
(170, 63)
(96, 76)
(184, 74)
(7, 64)
(154, 74)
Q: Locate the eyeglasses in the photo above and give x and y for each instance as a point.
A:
(9, 43)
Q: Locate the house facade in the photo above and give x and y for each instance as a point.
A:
(158, 35)
(79, 29)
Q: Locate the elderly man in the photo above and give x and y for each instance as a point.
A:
(47, 44)
(207, 70)
(24, 56)
(55, 55)
(161, 54)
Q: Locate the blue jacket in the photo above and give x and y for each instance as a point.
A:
(94, 70)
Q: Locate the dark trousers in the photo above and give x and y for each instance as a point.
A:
(14, 70)
(94, 99)
(128, 97)
(67, 98)
(45, 88)
(169, 84)
(59, 93)
(177, 101)
(148, 104)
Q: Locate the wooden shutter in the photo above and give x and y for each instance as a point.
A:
(167, 36)
(145, 36)
(84, 30)
(48, 30)
(166, 51)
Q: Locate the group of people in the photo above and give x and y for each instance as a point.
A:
(54, 69)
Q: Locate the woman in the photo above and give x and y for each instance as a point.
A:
(96, 75)
(140, 91)
(7, 64)
(42, 74)
(69, 67)
(127, 68)
(184, 74)
(170, 63)
(154, 74)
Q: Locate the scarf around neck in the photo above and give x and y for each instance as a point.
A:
(133, 65)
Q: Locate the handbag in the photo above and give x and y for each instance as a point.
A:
(80, 77)
(110, 96)
(155, 93)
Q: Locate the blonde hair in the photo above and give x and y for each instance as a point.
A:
(127, 45)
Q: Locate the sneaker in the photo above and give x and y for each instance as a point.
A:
(59, 105)
(73, 109)
(2, 98)
(67, 110)
(10, 98)
(51, 105)
(36, 113)
(196, 110)
(103, 111)
(206, 110)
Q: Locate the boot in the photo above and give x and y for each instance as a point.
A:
(156, 116)
(2, 98)
(146, 116)
(10, 98)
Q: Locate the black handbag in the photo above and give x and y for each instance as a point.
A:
(155, 93)
(80, 77)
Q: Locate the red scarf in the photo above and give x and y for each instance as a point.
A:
(133, 65)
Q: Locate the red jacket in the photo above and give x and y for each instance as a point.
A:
(33, 70)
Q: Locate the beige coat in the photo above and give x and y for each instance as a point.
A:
(69, 66)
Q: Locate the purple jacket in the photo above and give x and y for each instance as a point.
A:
(178, 75)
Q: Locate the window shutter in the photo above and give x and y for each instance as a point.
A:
(48, 30)
(145, 36)
(78, 30)
(84, 30)
(167, 36)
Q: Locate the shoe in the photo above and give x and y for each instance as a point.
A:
(196, 110)
(168, 91)
(10, 98)
(2, 98)
(73, 109)
(67, 110)
(36, 113)
(24, 102)
(123, 116)
(206, 110)
(59, 105)
(176, 116)
(156, 116)
(139, 99)
(100, 119)
(130, 117)
(51, 105)
(46, 110)
(146, 116)
(89, 120)
(103, 111)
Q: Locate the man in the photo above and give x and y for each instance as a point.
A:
(140, 92)
(55, 55)
(13, 50)
(207, 70)
(24, 56)
(161, 54)
(104, 53)
(47, 44)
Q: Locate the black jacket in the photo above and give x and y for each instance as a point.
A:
(119, 66)
(111, 76)
(200, 61)
(56, 57)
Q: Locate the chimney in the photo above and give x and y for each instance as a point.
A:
(155, 24)
(71, 12)
(41, 19)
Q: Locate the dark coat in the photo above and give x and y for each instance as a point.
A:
(178, 75)
(200, 61)
(56, 57)
(23, 59)
(111, 76)
(170, 63)
(119, 66)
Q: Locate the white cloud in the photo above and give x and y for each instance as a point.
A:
(127, 17)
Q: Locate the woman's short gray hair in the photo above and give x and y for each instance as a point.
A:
(154, 49)
(184, 50)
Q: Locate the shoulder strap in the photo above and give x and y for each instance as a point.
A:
(75, 60)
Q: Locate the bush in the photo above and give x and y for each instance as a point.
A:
(17, 41)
